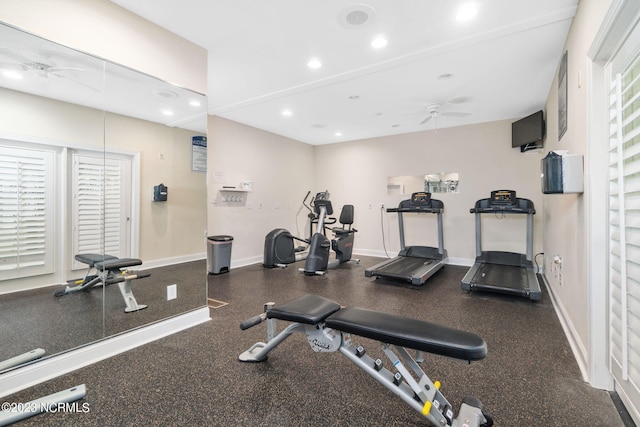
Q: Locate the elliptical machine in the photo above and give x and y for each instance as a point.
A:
(317, 262)
(279, 245)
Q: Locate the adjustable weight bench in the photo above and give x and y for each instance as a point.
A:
(107, 270)
(329, 327)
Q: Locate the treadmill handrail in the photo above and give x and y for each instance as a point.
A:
(520, 206)
(503, 209)
(416, 210)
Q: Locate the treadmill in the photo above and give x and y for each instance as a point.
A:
(414, 264)
(503, 272)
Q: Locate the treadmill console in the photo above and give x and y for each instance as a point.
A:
(421, 198)
(503, 198)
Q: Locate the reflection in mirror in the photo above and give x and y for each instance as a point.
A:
(82, 143)
(445, 182)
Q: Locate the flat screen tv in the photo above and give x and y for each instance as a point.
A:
(529, 132)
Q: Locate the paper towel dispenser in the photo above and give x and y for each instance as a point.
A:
(562, 173)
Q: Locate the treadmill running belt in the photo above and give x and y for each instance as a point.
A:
(406, 266)
(500, 276)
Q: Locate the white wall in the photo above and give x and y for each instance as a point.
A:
(168, 231)
(566, 231)
(282, 171)
(356, 173)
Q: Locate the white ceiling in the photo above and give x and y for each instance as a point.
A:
(50, 70)
(502, 63)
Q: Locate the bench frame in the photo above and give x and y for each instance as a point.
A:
(405, 378)
(106, 270)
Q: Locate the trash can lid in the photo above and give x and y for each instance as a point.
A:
(221, 238)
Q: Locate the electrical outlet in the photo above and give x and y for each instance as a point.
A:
(172, 292)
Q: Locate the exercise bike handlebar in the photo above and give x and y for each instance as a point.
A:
(255, 320)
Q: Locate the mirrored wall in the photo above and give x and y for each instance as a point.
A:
(83, 144)
(441, 182)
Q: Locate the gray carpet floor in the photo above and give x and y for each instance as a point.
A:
(529, 378)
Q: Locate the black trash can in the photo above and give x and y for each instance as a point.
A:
(218, 254)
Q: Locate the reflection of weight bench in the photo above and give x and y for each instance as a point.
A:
(329, 327)
(106, 270)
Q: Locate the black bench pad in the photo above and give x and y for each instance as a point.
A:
(91, 259)
(409, 333)
(309, 309)
(117, 264)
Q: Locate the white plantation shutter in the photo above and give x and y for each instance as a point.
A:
(27, 215)
(624, 231)
(99, 206)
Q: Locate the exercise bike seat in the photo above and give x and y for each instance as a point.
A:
(92, 259)
(116, 264)
(409, 333)
(308, 309)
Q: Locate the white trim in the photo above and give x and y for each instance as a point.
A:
(577, 348)
(55, 366)
(164, 262)
(597, 222)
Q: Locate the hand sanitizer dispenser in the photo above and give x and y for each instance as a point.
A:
(160, 193)
(562, 173)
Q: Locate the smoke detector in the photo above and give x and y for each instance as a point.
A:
(356, 16)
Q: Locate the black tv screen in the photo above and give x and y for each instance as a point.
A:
(528, 132)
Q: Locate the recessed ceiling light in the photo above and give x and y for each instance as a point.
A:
(467, 12)
(164, 93)
(379, 42)
(287, 113)
(314, 63)
(338, 133)
(194, 103)
(11, 74)
(167, 112)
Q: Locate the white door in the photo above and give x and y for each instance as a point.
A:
(101, 205)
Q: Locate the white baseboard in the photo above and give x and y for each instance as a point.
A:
(55, 366)
(171, 261)
(578, 350)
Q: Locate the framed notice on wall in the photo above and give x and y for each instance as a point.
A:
(562, 96)
(199, 153)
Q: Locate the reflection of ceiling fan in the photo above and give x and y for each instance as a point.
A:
(435, 111)
(42, 67)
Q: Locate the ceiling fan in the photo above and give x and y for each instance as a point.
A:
(42, 67)
(436, 110)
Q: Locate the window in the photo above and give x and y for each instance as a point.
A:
(624, 228)
(27, 214)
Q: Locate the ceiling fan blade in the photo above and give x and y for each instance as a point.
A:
(426, 120)
(76, 81)
(8, 53)
(455, 114)
(58, 69)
